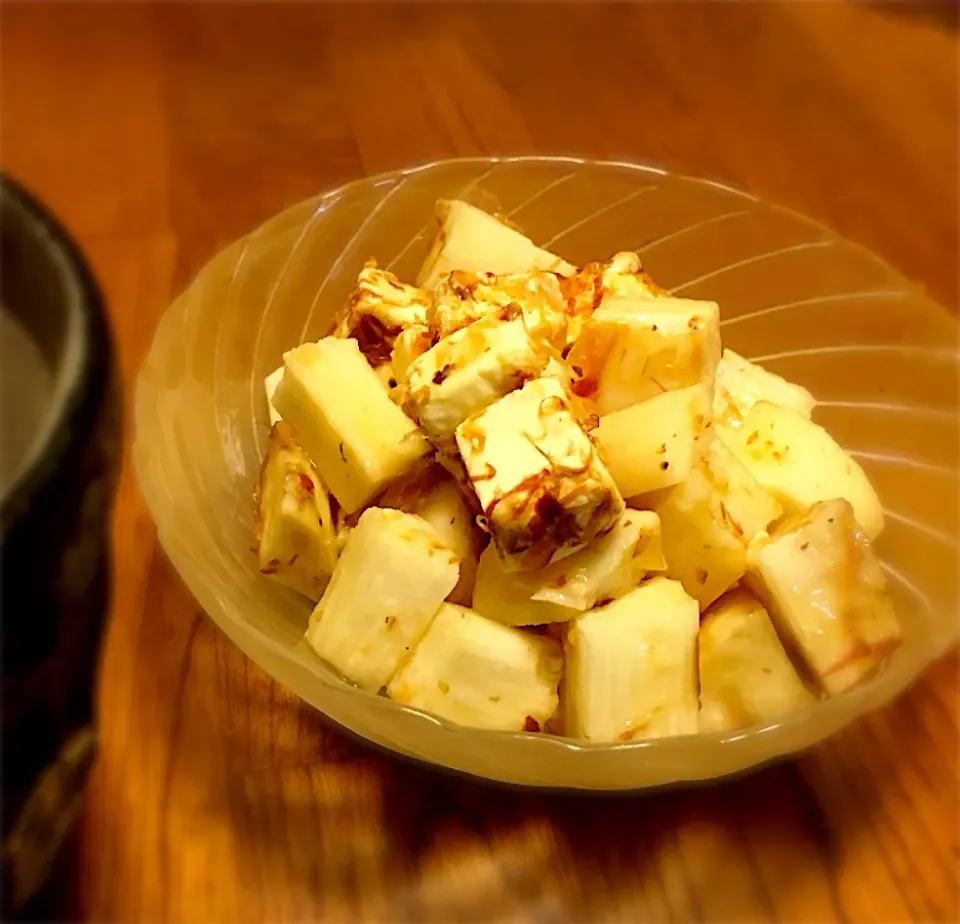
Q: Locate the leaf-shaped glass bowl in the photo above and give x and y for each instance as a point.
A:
(878, 354)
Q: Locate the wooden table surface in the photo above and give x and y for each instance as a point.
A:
(159, 132)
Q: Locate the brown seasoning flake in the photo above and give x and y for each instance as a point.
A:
(585, 387)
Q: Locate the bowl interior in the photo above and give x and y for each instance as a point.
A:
(878, 354)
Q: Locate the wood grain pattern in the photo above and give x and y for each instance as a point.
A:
(160, 131)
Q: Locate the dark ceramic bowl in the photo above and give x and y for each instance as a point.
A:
(54, 529)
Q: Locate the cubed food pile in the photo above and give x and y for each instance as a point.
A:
(530, 497)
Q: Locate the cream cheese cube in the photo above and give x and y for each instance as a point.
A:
(740, 384)
(657, 443)
(540, 482)
(295, 536)
(380, 308)
(636, 348)
(410, 343)
(746, 677)
(391, 579)
(480, 673)
(357, 438)
(463, 298)
(470, 239)
(469, 370)
(270, 384)
(604, 570)
(800, 463)
(823, 586)
(632, 666)
(625, 276)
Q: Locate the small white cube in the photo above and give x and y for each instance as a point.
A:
(295, 530)
(604, 570)
(636, 348)
(748, 504)
(740, 384)
(392, 576)
(353, 433)
(543, 489)
(410, 343)
(463, 298)
(746, 677)
(380, 308)
(657, 443)
(270, 384)
(470, 239)
(800, 464)
(821, 582)
(632, 666)
(704, 548)
(469, 370)
(480, 673)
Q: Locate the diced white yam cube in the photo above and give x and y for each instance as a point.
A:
(379, 310)
(657, 443)
(607, 568)
(632, 666)
(270, 384)
(507, 596)
(469, 370)
(470, 239)
(823, 586)
(391, 579)
(746, 677)
(482, 674)
(543, 489)
(636, 348)
(446, 510)
(585, 291)
(748, 504)
(648, 554)
(703, 547)
(295, 536)
(740, 384)
(801, 464)
(357, 438)
(604, 570)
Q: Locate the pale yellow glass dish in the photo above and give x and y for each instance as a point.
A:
(878, 354)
